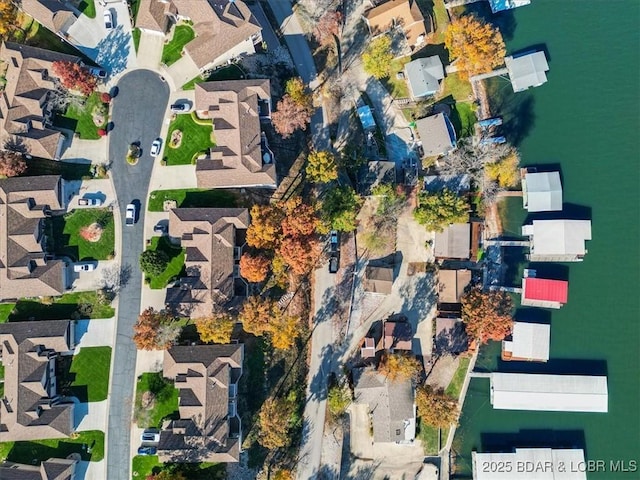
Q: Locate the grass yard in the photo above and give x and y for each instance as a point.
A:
(165, 403)
(69, 305)
(430, 438)
(145, 465)
(88, 7)
(192, 198)
(172, 51)
(455, 386)
(458, 88)
(38, 36)
(463, 118)
(397, 87)
(231, 72)
(68, 171)
(135, 34)
(86, 375)
(67, 240)
(196, 139)
(80, 120)
(175, 267)
(39, 450)
(5, 311)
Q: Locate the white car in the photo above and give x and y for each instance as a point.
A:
(149, 436)
(108, 20)
(83, 267)
(155, 147)
(130, 215)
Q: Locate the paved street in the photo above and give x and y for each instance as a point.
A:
(138, 112)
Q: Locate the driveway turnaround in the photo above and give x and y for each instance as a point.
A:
(138, 112)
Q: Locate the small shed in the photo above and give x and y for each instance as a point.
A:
(453, 242)
(545, 293)
(557, 240)
(528, 341)
(452, 284)
(378, 279)
(397, 336)
(366, 118)
(527, 70)
(437, 134)
(542, 192)
(424, 75)
(368, 349)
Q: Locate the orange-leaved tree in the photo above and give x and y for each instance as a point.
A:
(12, 164)
(487, 315)
(254, 268)
(300, 219)
(328, 27)
(435, 407)
(74, 76)
(266, 226)
(477, 47)
(300, 253)
(216, 328)
(274, 421)
(257, 313)
(155, 330)
(400, 366)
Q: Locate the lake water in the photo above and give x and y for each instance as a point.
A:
(586, 120)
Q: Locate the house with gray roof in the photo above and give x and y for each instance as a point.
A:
(391, 405)
(527, 70)
(423, 76)
(51, 469)
(208, 428)
(437, 135)
(25, 268)
(454, 242)
(557, 240)
(542, 192)
(31, 407)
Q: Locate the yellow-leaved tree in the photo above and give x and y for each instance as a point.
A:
(505, 170)
(217, 328)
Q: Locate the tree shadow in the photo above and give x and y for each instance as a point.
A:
(516, 109)
(505, 20)
(112, 52)
(556, 367)
(431, 50)
(570, 211)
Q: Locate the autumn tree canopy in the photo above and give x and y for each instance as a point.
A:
(487, 315)
(8, 12)
(477, 47)
(322, 166)
(216, 328)
(400, 366)
(340, 208)
(285, 329)
(435, 407)
(377, 58)
(328, 27)
(12, 164)
(438, 210)
(254, 268)
(294, 110)
(74, 76)
(300, 219)
(257, 313)
(155, 330)
(300, 253)
(266, 225)
(505, 171)
(274, 420)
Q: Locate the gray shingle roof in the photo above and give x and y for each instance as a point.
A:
(527, 70)
(424, 75)
(437, 134)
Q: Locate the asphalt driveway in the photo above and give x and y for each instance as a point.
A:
(138, 112)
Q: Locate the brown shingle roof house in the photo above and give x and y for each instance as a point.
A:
(31, 408)
(405, 14)
(25, 114)
(378, 279)
(209, 428)
(213, 239)
(224, 29)
(240, 157)
(52, 469)
(24, 267)
(55, 15)
(397, 336)
(452, 284)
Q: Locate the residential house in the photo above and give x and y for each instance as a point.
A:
(54, 15)
(241, 157)
(402, 14)
(397, 336)
(31, 407)
(563, 464)
(541, 392)
(451, 336)
(542, 192)
(25, 268)
(25, 112)
(390, 403)
(208, 428)
(557, 240)
(375, 173)
(423, 76)
(452, 285)
(224, 29)
(437, 135)
(454, 242)
(378, 279)
(213, 239)
(528, 341)
(527, 70)
(458, 184)
(543, 292)
(51, 469)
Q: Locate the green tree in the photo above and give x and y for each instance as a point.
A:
(153, 262)
(340, 208)
(391, 199)
(435, 407)
(338, 399)
(377, 58)
(298, 92)
(322, 167)
(437, 210)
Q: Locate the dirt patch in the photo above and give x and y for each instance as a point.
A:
(148, 400)
(176, 139)
(91, 233)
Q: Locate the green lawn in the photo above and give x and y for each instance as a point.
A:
(68, 171)
(39, 450)
(80, 120)
(172, 51)
(455, 386)
(38, 36)
(196, 139)
(5, 311)
(135, 34)
(166, 400)
(429, 436)
(463, 118)
(192, 198)
(70, 305)
(458, 88)
(174, 268)
(145, 465)
(231, 72)
(86, 375)
(88, 7)
(397, 87)
(65, 234)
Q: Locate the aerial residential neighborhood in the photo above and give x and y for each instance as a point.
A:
(312, 239)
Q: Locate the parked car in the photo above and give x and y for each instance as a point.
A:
(98, 72)
(84, 267)
(147, 450)
(179, 107)
(155, 147)
(90, 202)
(130, 215)
(334, 240)
(108, 19)
(334, 262)
(150, 436)
(160, 228)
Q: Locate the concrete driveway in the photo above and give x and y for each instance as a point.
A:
(137, 114)
(101, 189)
(94, 333)
(88, 281)
(150, 50)
(182, 71)
(91, 416)
(91, 470)
(86, 151)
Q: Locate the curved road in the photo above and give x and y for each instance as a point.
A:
(137, 114)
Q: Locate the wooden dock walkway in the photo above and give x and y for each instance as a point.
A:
(497, 288)
(484, 76)
(458, 3)
(510, 193)
(508, 243)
